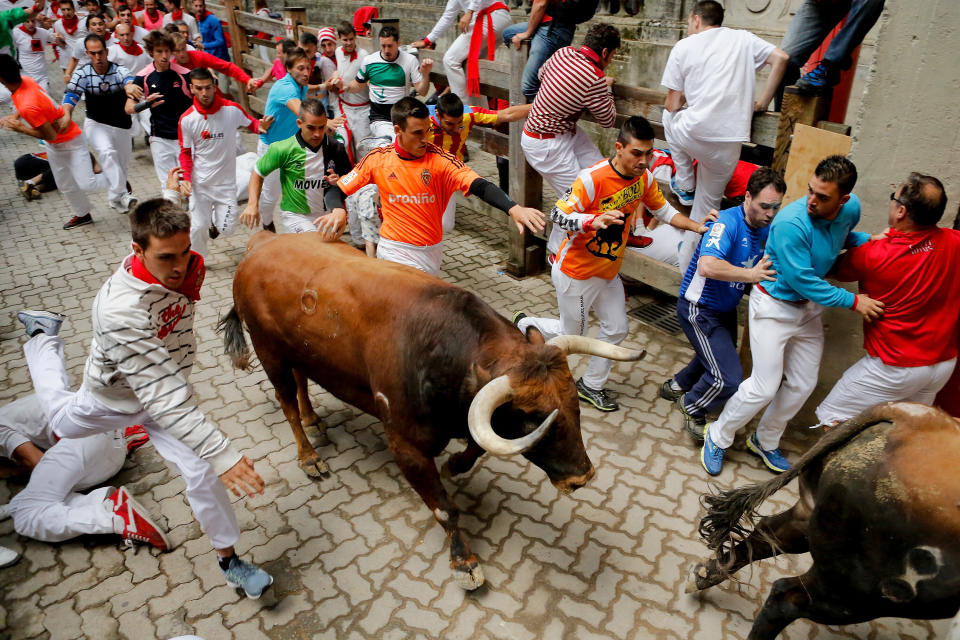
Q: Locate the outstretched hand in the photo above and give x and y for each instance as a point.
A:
(528, 217)
(242, 478)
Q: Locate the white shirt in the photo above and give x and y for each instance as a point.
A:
(24, 421)
(213, 140)
(115, 53)
(30, 51)
(716, 71)
(71, 40)
(348, 71)
(187, 19)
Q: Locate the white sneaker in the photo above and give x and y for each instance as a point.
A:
(128, 202)
(8, 557)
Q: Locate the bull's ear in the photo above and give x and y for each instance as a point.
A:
(475, 379)
(534, 336)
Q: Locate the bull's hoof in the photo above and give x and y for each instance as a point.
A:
(705, 575)
(314, 467)
(469, 576)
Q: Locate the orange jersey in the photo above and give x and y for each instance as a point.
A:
(598, 253)
(413, 191)
(36, 107)
(454, 144)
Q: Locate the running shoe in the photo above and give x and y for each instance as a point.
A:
(36, 322)
(685, 197)
(78, 221)
(137, 524)
(249, 577)
(711, 456)
(597, 397)
(773, 458)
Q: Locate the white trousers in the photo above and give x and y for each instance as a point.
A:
(716, 162)
(358, 122)
(113, 148)
(166, 156)
(786, 341)
(559, 160)
(50, 508)
(270, 193)
(458, 51)
(870, 382)
(382, 129)
(362, 213)
(424, 258)
(298, 222)
(73, 172)
(666, 243)
(79, 414)
(215, 206)
(575, 299)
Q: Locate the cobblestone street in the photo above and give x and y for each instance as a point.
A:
(357, 554)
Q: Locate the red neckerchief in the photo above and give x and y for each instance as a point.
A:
(403, 153)
(55, 10)
(214, 106)
(191, 282)
(70, 26)
(352, 54)
(591, 55)
(200, 16)
(176, 14)
(134, 49)
(29, 33)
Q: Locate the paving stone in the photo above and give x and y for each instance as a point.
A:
(61, 621)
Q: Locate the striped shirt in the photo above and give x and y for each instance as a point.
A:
(571, 81)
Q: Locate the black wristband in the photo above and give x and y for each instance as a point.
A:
(141, 106)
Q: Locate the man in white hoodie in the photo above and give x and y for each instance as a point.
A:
(142, 350)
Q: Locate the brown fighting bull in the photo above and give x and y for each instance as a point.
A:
(431, 360)
(879, 511)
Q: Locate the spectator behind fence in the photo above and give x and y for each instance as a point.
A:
(713, 69)
(786, 330)
(572, 81)
(729, 257)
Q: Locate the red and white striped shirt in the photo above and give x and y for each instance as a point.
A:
(571, 81)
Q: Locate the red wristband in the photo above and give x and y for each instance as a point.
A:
(856, 298)
(259, 82)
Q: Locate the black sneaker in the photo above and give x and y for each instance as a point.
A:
(517, 317)
(597, 397)
(694, 425)
(213, 232)
(78, 221)
(667, 392)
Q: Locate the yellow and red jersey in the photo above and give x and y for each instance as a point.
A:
(454, 144)
(413, 191)
(598, 253)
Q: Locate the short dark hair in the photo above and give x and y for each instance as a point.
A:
(9, 69)
(837, 169)
(345, 28)
(602, 36)
(92, 37)
(389, 31)
(171, 28)
(287, 45)
(710, 12)
(450, 104)
(123, 7)
(69, 2)
(307, 39)
(94, 16)
(200, 73)
(291, 57)
(765, 177)
(175, 3)
(408, 107)
(924, 198)
(158, 218)
(158, 38)
(313, 107)
(635, 128)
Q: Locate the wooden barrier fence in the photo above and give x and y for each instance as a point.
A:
(501, 79)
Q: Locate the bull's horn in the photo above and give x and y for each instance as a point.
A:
(594, 347)
(492, 395)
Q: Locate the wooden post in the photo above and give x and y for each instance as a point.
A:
(526, 251)
(293, 18)
(238, 41)
(796, 108)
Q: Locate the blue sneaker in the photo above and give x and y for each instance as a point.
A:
(35, 322)
(711, 456)
(685, 197)
(820, 79)
(249, 577)
(774, 460)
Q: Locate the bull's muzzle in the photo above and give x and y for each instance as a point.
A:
(571, 484)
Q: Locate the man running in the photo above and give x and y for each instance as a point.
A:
(416, 179)
(354, 107)
(208, 158)
(107, 125)
(30, 41)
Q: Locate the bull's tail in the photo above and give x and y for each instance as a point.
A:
(731, 514)
(234, 342)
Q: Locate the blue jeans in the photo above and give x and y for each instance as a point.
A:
(545, 42)
(714, 373)
(815, 19)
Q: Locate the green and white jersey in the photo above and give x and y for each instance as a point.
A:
(302, 170)
(389, 81)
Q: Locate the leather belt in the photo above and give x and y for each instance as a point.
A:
(539, 136)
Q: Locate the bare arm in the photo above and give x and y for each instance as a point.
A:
(355, 86)
(537, 12)
(717, 269)
(424, 85)
(27, 454)
(674, 101)
(777, 60)
(294, 105)
(513, 113)
(251, 214)
(43, 132)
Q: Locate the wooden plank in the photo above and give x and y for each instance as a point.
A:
(810, 146)
(257, 105)
(796, 108)
(254, 41)
(256, 64)
(653, 273)
(238, 43)
(835, 127)
(252, 22)
(491, 141)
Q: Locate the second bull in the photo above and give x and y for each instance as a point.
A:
(431, 360)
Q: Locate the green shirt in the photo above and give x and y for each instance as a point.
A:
(302, 171)
(8, 20)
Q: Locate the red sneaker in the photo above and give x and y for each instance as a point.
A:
(135, 437)
(137, 525)
(639, 241)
